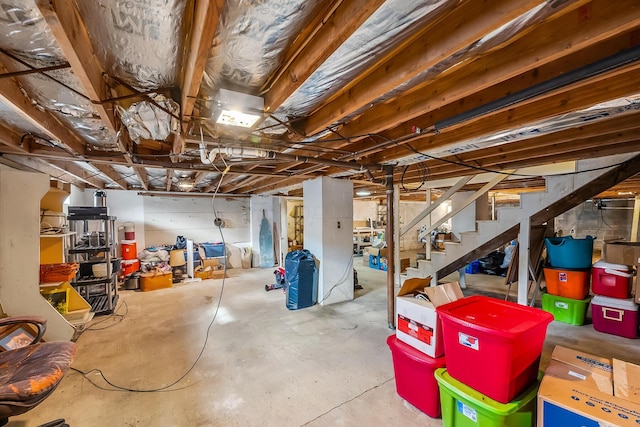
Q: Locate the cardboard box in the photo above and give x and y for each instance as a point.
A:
(404, 263)
(215, 263)
(621, 252)
(626, 377)
(417, 321)
(577, 390)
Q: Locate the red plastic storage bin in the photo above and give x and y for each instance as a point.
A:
(415, 376)
(611, 280)
(493, 346)
(128, 249)
(130, 266)
(615, 316)
(565, 283)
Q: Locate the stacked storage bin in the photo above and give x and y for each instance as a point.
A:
(128, 251)
(613, 311)
(493, 350)
(417, 348)
(567, 276)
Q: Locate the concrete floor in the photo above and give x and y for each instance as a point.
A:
(263, 365)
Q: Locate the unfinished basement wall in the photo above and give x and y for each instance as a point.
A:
(612, 220)
(159, 220)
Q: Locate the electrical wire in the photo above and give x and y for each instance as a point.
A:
(408, 147)
(117, 387)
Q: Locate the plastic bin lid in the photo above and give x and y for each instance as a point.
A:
(604, 264)
(623, 304)
(481, 401)
(493, 316)
(414, 354)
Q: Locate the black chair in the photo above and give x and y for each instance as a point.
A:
(29, 374)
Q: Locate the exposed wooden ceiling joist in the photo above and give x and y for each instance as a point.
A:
(12, 96)
(470, 21)
(333, 31)
(206, 15)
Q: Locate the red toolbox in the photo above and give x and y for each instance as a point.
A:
(615, 316)
(493, 346)
(611, 280)
(415, 376)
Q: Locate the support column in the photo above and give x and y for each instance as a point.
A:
(328, 235)
(396, 234)
(391, 294)
(524, 239)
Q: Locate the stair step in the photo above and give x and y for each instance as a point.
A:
(509, 213)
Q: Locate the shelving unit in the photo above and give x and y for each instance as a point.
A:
(363, 236)
(100, 292)
(298, 224)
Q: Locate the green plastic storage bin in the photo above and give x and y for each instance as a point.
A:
(463, 406)
(566, 310)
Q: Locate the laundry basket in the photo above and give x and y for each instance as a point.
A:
(567, 252)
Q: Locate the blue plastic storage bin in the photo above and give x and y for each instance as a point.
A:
(472, 268)
(301, 279)
(567, 252)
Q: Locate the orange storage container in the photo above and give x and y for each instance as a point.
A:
(155, 280)
(572, 284)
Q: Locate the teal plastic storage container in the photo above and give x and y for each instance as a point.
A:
(566, 310)
(463, 406)
(567, 252)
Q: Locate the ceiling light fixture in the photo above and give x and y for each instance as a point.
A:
(237, 109)
(185, 184)
(363, 193)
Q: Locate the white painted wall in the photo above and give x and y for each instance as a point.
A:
(159, 220)
(327, 203)
(165, 218)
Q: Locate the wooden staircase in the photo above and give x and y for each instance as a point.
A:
(562, 192)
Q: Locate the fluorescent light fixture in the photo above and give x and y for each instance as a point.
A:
(237, 109)
(363, 193)
(237, 118)
(185, 184)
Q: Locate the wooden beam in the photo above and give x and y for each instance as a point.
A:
(470, 21)
(606, 86)
(78, 173)
(205, 23)
(67, 27)
(112, 174)
(551, 50)
(11, 138)
(12, 96)
(169, 179)
(143, 176)
(39, 166)
(332, 32)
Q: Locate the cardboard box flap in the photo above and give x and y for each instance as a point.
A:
(414, 286)
(626, 377)
(445, 293)
(592, 371)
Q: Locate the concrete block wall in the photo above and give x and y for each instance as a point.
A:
(611, 222)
